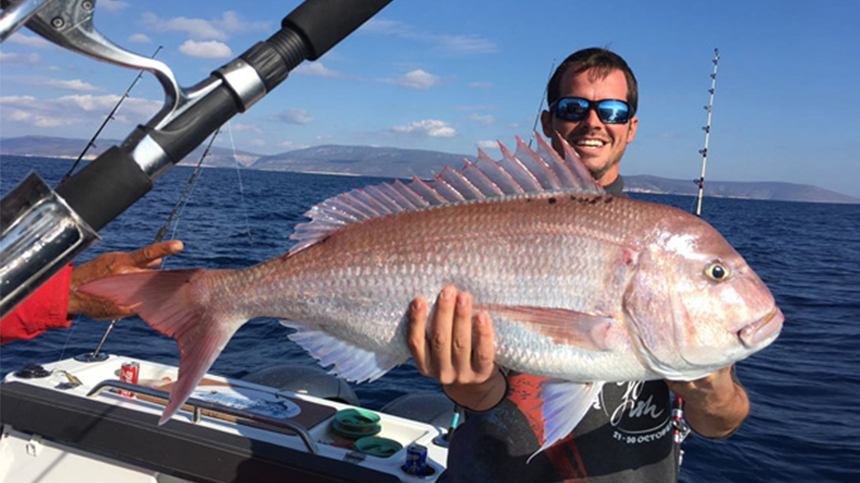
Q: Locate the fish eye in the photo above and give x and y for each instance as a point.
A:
(717, 272)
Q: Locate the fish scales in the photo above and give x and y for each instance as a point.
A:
(545, 250)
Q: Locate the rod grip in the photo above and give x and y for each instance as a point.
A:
(105, 188)
(324, 23)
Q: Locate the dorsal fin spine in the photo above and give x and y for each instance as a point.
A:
(525, 172)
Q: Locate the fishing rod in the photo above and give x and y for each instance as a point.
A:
(707, 128)
(108, 119)
(540, 104)
(42, 230)
(681, 429)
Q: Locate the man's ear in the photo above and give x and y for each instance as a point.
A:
(546, 124)
(631, 129)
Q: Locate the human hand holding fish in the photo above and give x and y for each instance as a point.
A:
(714, 405)
(109, 265)
(455, 351)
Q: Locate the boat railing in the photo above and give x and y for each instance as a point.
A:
(212, 408)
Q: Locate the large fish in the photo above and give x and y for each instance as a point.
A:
(582, 287)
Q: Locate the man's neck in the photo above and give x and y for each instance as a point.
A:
(616, 187)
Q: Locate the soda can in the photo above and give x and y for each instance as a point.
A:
(130, 372)
(416, 459)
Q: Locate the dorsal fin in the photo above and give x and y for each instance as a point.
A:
(525, 171)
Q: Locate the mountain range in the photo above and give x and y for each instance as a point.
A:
(405, 163)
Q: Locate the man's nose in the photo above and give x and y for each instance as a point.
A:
(592, 119)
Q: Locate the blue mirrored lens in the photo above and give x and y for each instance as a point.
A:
(610, 111)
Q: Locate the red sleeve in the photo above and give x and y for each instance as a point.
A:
(45, 309)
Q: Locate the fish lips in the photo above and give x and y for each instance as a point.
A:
(762, 331)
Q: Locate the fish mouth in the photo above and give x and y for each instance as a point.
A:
(763, 330)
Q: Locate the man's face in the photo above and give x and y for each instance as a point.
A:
(600, 145)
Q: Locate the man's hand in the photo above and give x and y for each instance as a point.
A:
(456, 352)
(714, 405)
(108, 265)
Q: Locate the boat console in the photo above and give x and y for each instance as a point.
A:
(79, 418)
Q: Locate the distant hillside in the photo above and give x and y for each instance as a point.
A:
(362, 160)
(55, 147)
(405, 163)
(758, 190)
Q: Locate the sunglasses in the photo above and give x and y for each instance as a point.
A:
(575, 109)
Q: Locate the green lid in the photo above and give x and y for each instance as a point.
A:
(379, 447)
(356, 423)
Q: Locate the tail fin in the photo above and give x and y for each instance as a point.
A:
(172, 303)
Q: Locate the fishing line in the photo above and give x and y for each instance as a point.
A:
(241, 189)
(179, 207)
(110, 116)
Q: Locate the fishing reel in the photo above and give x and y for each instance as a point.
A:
(42, 230)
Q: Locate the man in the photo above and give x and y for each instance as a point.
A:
(57, 300)
(627, 435)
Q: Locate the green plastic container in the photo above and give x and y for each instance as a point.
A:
(379, 447)
(356, 423)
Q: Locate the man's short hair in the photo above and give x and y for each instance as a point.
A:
(604, 62)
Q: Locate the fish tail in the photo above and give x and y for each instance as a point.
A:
(179, 304)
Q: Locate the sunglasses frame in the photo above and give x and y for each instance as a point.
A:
(592, 105)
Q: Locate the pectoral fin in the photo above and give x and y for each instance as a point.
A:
(568, 327)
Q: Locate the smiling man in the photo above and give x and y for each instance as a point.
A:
(593, 97)
(628, 433)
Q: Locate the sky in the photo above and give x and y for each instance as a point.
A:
(453, 76)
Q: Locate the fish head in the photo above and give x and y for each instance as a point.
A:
(693, 304)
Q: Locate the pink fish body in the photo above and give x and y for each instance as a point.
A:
(581, 286)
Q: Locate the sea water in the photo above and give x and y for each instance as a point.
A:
(804, 389)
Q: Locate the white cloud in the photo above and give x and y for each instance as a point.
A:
(258, 143)
(211, 49)
(140, 39)
(75, 109)
(317, 69)
(481, 118)
(29, 40)
(487, 144)
(245, 127)
(428, 127)
(417, 79)
(72, 85)
(113, 6)
(199, 29)
(480, 85)
(294, 116)
(23, 59)
(448, 44)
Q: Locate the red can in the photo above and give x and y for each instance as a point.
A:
(130, 372)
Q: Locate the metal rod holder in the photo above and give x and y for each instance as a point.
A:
(200, 405)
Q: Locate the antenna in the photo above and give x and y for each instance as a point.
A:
(707, 129)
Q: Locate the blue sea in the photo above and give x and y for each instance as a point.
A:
(805, 389)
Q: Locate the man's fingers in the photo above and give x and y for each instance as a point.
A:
(440, 334)
(461, 342)
(483, 355)
(417, 334)
(147, 256)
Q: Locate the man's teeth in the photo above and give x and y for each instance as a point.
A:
(590, 143)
